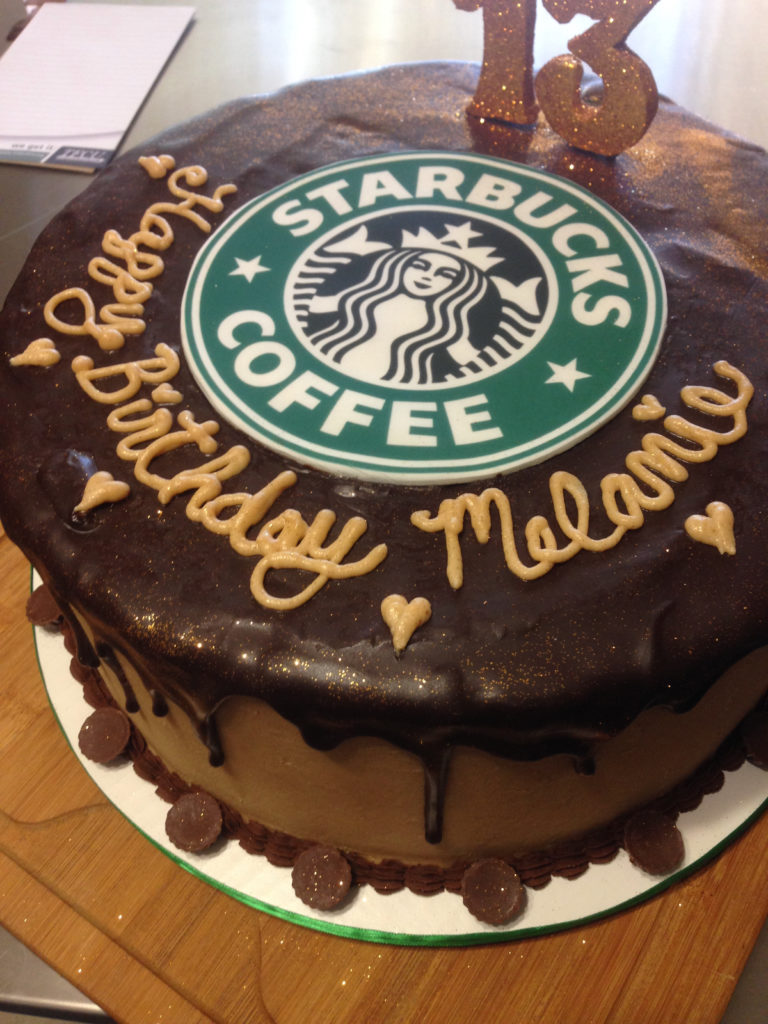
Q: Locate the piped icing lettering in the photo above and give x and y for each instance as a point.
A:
(127, 267)
(626, 496)
(150, 430)
(157, 371)
(139, 260)
(286, 542)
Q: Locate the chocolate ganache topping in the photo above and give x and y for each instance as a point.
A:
(522, 668)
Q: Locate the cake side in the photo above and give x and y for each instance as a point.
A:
(542, 819)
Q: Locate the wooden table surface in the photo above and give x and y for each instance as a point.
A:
(152, 944)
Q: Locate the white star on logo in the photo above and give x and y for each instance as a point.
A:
(460, 234)
(567, 374)
(248, 268)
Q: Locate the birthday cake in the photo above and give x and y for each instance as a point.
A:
(399, 480)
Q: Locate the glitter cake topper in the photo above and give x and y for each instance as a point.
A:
(606, 124)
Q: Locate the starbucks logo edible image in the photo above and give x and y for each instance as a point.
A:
(422, 317)
(421, 298)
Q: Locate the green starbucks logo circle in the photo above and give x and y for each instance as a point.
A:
(423, 317)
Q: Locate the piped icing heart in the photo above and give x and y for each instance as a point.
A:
(648, 408)
(100, 489)
(157, 166)
(714, 528)
(404, 617)
(41, 352)
(166, 394)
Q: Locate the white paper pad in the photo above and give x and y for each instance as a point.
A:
(72, 81)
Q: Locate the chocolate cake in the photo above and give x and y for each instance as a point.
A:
(389, 668)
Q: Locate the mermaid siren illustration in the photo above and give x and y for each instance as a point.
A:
(420, 306)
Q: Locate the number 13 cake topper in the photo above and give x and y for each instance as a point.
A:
(607, 124)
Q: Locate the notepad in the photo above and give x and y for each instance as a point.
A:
(73, 80)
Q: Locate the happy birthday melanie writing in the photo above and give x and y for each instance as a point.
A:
(288, 542)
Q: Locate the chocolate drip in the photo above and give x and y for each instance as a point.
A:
(209, 734)
(84, 651)
(108, 656)
(159, 704)
(435, 765)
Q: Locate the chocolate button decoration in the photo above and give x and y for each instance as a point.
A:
(104, 735)
(492, 891)
(42, 610)
(194, 822)
(653, 842)
(321, 877)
